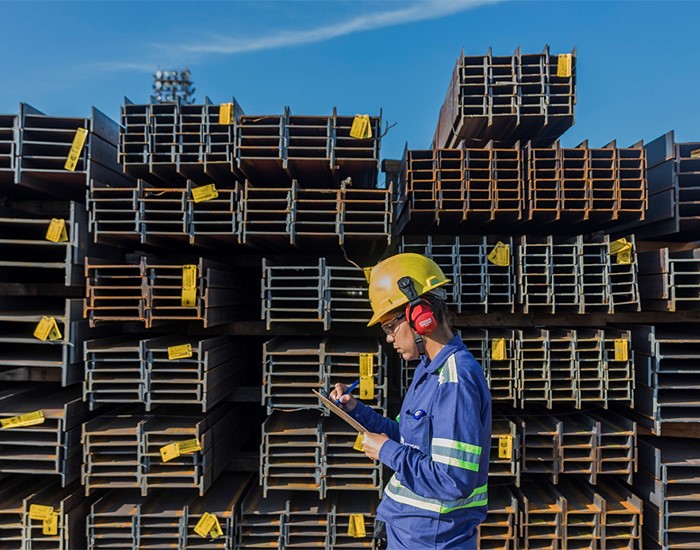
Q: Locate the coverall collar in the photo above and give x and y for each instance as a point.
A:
(452, 346)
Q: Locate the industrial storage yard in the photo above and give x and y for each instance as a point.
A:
(175, 283)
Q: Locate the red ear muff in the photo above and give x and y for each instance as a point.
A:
(421, 318)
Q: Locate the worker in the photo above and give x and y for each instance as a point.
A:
(439, 444)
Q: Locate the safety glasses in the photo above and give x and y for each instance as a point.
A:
(390, 326)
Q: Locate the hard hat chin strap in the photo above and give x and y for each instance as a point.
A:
(408, 289)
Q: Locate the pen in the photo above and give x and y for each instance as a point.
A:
(349, 390)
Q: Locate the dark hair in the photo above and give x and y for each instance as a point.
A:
(441, 310)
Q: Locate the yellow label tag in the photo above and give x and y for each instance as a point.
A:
(189, 285)
(50, 525)
(621, 349)
(498, 349)
(618, 245)
(625, 255)
(500, 255)
(39, 512)
(505, 446)
(189, 446)
(204, 193)
(169, 452)
(76, 149)
(208, 525)
(356, 527)
(695, 154)
(56, 233)
(366, 376)
(361, 127)
(358, 443)
(22, 421)
(226, 113)
(47, 328)
(564, 64)
(179, 352)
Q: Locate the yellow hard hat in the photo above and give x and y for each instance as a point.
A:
(384, 292)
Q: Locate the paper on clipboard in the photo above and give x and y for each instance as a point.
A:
(340, 412)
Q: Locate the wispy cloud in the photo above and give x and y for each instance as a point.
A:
(123, 66)
(418, 11)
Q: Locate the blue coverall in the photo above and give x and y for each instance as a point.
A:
(439, 449)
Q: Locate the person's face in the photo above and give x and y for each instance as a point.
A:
(399, 335)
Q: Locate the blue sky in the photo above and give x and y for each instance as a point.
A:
(638, 71)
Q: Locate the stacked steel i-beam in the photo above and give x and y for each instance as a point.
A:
(174, 286)
(572, 315)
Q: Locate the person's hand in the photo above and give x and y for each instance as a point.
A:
(372, 443)
(347, 402)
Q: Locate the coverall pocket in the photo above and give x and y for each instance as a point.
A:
(416, 431)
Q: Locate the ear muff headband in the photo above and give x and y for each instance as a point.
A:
(419, 312)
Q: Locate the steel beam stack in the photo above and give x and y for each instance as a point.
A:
(670, 280)
(506, 98)
(668, 481)
(125, 370)
(455, 189)
(302, 451)
(590, 187)
(293, 366)
(35, 148)
(24, 527)
(312, 219)
(150, 291)
(125, 519)
(26, 357)
(124, 450)
(51, 447)
(27, 256)
(313, 291)
(288, 519)
(142, 213)
(478, 283)
(290, 456)
(666, 367)
(673, 189)
(174, 141)
(8, 148)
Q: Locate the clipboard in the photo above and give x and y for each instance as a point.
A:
(341, 413)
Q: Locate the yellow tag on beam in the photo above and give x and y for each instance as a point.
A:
(361, 127)
(204, 193)
(366, 376)
(618, 245)
(39, 512)
(695, 154)
(169, 452)
(500, 255)
(50, 525)
(505, 446)
(23, 420)
(498, 349)
(76, 149)
(208, 525)
(189, 446)
(226, 113)
(189, 285)
(47, 329)
(179, 352)
(356, 527)
(564, 62)
(358, 443)
(625, 255)
(621, 349)
(56, 233)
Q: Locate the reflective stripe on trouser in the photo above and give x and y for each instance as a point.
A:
(399, 493)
